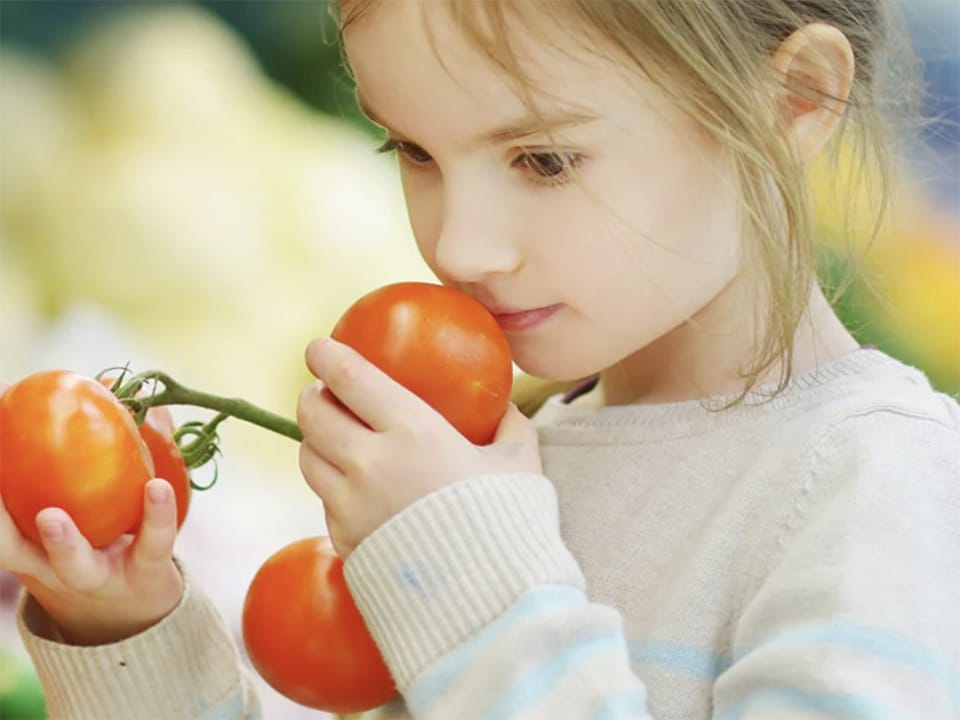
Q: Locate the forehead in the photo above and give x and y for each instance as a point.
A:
(411, 62)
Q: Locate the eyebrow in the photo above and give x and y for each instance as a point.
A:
(512, 131)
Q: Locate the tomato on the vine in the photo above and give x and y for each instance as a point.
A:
(305, 636)
(158, 431)
(66, 441)
(439, 343)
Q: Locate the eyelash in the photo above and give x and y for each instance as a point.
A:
(418, 158)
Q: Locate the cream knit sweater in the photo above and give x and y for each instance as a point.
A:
(795, 559)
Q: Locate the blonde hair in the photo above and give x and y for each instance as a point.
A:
(711, 58)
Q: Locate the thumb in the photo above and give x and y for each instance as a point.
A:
(518, 432)
(516, 427)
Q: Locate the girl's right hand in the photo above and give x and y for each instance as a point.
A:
(98, 596)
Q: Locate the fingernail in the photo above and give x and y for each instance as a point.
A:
(51, 530)
(157, 493)
(323, 347)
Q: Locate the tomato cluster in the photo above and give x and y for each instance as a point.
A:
(67, 441)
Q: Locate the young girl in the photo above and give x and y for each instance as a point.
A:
(742, 514)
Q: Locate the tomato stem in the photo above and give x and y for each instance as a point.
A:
(204, 445)
(173, 393)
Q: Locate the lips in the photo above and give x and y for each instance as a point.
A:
(517, 320)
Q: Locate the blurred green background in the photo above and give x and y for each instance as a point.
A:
(190, 186)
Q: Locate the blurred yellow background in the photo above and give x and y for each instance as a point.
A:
(165, 201)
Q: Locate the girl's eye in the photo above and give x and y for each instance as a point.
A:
(413, 154)
(551, 168)
(547, 168)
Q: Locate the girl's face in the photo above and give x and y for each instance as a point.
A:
(605, 237)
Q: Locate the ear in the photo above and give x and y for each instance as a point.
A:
(815, 68)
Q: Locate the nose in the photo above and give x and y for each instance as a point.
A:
(475, 238)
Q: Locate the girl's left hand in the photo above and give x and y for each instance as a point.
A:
(371, 447)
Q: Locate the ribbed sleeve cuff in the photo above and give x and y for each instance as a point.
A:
(434, 574)
(182, 666)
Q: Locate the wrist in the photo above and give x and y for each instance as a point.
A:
(101, 621)
(191, 651)
(96, 630)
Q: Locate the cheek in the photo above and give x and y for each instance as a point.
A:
(677, 223)
(664, 246)
(667, 277)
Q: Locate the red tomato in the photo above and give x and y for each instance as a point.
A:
(157, 431)
(67, 442)
(305, 636)
(442, 345)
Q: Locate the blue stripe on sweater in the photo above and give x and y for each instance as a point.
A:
(534, 685)
(877, 642)
(833, 705)
(435, 682)
(871, 641)
(690, 661)
(232, 709)
(679, 658)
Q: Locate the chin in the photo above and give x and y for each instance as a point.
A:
(557, 367)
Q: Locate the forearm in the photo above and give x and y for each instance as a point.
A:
(185, 666)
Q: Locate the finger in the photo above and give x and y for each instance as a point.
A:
(340, 546)
(20, 555)
(518, 435)
(73, 560)
(368, 392)
(325, 479)
(516, 427)
(329, 428)
(153, 545)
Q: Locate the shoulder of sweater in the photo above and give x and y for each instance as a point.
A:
(885, 416)
(893, 444)
(895, 395)
(916, 434)
(880, 459)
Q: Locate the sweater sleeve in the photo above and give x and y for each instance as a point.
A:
(185, 666)
(480, 610)
(857, 616)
